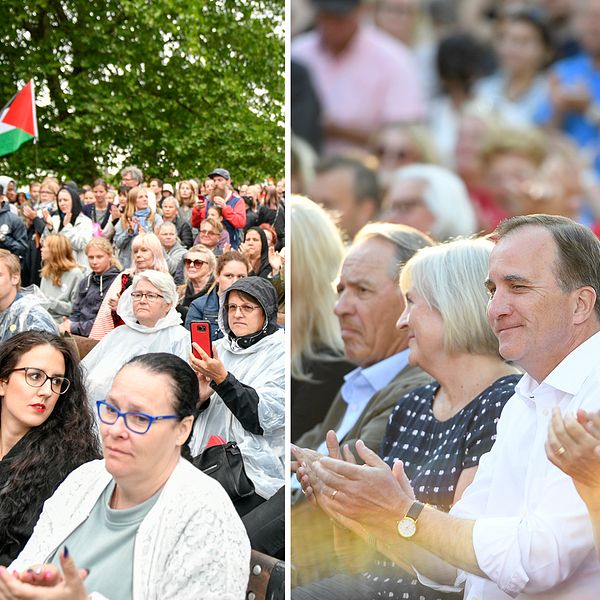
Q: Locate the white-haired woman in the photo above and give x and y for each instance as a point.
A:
(151, 325)
(146, 253)
(431, 199)
(318, 366)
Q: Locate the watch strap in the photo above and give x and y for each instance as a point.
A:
(415, 510)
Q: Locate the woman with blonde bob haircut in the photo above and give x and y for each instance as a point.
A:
(460, 300)
(146, 253)
(318, 366)
(439, 431)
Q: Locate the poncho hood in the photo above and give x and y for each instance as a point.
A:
(125, 311)
(264, 293)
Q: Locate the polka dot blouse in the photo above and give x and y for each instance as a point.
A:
(434, 454)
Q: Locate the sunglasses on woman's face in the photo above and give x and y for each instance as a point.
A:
(188, 262)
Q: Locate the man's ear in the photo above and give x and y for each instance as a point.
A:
(585, 302)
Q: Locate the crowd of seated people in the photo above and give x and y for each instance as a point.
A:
(108, 448)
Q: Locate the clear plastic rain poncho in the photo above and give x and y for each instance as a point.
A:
(129, 340)
(260, 366)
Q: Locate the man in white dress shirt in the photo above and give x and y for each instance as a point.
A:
(520, 530)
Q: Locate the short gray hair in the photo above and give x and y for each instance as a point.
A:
(133, 172)
(406, 241)
(446, 197)
(450, 277)
(168, 224)
(163, 282)
(171, 199)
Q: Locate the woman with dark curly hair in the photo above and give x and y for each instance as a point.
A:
(46, 430)
(144, 521)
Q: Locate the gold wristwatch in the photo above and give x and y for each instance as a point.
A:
(407, 526)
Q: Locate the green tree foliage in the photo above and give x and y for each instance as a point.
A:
(166, 85)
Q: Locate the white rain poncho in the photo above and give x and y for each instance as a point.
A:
(129, 340)
(260, 366)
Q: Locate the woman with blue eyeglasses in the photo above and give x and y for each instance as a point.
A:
(46, 430)
(151, 325)
(143, 523)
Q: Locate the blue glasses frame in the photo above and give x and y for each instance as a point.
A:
(151, 418)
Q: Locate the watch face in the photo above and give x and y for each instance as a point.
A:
(407, 527)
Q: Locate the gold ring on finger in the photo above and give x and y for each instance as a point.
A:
(333, 494)
(560, 451)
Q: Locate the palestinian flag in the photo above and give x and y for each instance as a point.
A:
(18, 123)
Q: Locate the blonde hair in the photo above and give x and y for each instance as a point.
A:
(11, 262)
(451, 277)
(418, 134)
(216, 225)
(130, 207)
(528, 142)
(51, 183)
(150, 241)
(105, 246)
(316, 253)
(192, 199)
(211, 259)
(61, 258)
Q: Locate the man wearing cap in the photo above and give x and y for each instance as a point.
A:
(232, 206)
(363, 77)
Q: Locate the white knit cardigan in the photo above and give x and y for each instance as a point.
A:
(191, 544)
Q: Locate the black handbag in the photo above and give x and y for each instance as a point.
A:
(225, 463)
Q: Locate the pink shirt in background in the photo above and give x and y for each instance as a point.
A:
(374, 82)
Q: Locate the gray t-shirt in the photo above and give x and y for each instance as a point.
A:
(104, 544)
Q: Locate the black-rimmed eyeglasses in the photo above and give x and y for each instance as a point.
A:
(37, 378)
(150, 296)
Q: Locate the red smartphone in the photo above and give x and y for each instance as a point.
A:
(200, 332)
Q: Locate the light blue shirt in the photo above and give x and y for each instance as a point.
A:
(360, 385)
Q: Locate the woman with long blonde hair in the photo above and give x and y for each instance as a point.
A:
(138, 217)
(318, 364)
(61, 276)
(187, 194)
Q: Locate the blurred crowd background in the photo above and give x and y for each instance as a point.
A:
(446, 115)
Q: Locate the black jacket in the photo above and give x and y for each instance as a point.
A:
(91, 292)
(15, 535)
(184, 232)
(13, 233)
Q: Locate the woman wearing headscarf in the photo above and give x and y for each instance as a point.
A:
(72, 223)
(256, 249)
